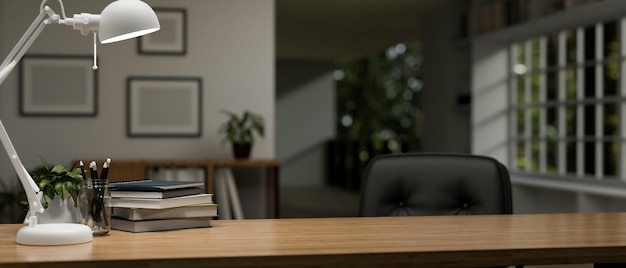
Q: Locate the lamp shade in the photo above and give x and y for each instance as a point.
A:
(125, 19)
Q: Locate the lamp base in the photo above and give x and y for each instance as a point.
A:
(54, 234)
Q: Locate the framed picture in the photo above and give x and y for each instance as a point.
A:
(164, 107)
(58, 86)
(171, 38)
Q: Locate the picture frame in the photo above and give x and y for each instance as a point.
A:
(164, 106)
(171, 39)
(58, 85)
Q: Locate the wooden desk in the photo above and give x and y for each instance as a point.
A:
(122, 170)
(445, 241)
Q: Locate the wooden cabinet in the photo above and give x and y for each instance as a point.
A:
(125, 170)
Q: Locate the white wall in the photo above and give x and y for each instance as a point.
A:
(230, 46)
(446, 68)
(305, 120)
(489, 100)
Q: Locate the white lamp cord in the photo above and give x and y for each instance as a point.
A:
(95, 49)
(95, 52)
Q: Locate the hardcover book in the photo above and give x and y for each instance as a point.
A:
(157, 194)
(150, 185)
(195, 211)
(159, 225)
(162, 203)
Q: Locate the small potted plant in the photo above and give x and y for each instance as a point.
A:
(239, 131)
(58, 184)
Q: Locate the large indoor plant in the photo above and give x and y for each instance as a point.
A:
(58, 184)
(239, 130)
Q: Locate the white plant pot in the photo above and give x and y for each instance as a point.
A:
(58, 211)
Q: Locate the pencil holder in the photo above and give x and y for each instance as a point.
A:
(95, 206)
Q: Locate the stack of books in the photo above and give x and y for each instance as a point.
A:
(147, 205)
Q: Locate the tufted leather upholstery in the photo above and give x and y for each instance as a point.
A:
(421, 184)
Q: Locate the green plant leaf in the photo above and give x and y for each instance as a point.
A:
(241, 129)
(59, 180)
(44, 183)
(60, 169)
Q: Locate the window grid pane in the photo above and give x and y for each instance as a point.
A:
(515, 127)
(528, 116)
(599, 146)
(521, 155)
(571, 154)
(610, 159)
(572, 46)
(561, 163)
(590, 167)
(580, 112)
(552, 156)
(571, 83)
(622, 107)
(534, 158)
(567, 102)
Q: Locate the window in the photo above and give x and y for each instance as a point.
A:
(567, 95)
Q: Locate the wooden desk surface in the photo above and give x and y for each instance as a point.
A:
(446, 241)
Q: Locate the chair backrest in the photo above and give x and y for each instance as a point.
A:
(431, 184)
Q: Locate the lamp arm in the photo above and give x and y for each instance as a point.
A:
(85, 23)
(33, 193)
(29, 36)
(26, 41)
(126, 19)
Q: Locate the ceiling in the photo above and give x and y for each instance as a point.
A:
(342, 30)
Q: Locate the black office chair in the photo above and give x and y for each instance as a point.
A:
(431, 184)
(434, 184)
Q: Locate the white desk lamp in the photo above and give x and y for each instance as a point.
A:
(120, 20)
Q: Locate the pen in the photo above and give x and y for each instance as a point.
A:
(94, 171)
(105, 170)
(96, 200)
(103, 179)
(82, 171)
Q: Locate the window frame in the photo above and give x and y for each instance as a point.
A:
(535, 142)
